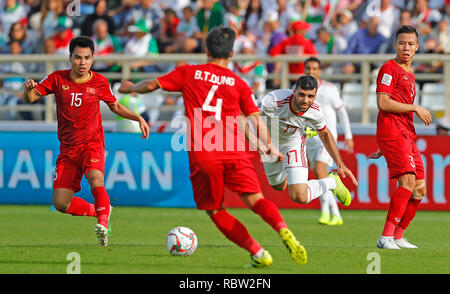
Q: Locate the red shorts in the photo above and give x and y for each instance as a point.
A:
(74, 161)
(402, 157)
(209, 179)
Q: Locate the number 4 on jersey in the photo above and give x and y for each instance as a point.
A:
(207, 104)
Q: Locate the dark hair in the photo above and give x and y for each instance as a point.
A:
(306, 83)
(220, 42)
(312, 59)
(82, 42)
(406, 30)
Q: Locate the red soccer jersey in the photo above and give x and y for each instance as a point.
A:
(77, 105)
(296, 45)
(214, 97)
(400, 86)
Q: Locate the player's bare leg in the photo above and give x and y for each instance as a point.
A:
(102, 205)
(327, 199)
(65, 202)
(237, 233)
(270, 213)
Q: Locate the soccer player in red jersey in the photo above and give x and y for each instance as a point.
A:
(396, 138)
(78, 92)
(214, 99)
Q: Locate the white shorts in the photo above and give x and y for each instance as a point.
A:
(315, 151)
(294, 166)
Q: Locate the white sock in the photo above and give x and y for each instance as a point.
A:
(259, 253)
(332, 203)
(324, 206)
(319, 187)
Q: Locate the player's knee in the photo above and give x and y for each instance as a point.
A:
(419, 192)
(96, 182)
(299, 197)
(408, 182)
(61, 205)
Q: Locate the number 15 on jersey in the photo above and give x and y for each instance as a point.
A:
(76, 99)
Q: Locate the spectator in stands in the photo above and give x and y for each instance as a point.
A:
(423, 14)
(120, 13)
(18, 33)
(444, 37)
(442, 126)
(12, 86)
(295, 44)
(141, 44)
(48, 16)
(134, 103)
(61, 40)
(344, 24)
(232, 17)
(148, 10)
(405, 20)
(105, 44)
(387, 14)
(351, 5)
(210, 15)
(286, 13)
(187, 29)
(168, 32)
(254, 20)
(175, 5)
(11, 12)
(317, 13)
(330, 44)
(100, 13)
(364, 41)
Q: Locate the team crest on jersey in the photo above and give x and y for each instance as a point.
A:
(65, 87)
(386, 80)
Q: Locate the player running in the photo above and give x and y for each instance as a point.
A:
(396, 138)
(78, 92)
(288, 112)
(331, 105)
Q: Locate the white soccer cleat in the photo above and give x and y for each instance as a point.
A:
(387, 243)
(102, 235)
(403, 243)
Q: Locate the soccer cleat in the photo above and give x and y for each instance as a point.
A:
(324, 218)
(102, 234)
(386, 243)
(336, 221)
(297, 251)
(341, 192)
(403, 243)
(263, 261)
(310, 132)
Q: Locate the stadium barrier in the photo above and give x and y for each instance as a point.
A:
(365, 77)
(151, 173)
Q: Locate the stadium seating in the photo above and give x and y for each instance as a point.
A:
(352, 95)
(433, 96)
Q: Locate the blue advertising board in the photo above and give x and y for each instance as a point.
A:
(138, 172)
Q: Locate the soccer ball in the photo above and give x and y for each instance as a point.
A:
(181, 241)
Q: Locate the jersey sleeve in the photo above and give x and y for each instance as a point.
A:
(107, 94)
(318, 119)
(247, 101)
(267, 105)
(385, 80)
(47, 85)
(336, 100)
(174, 80)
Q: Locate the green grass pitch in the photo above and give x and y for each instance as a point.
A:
(34, 239)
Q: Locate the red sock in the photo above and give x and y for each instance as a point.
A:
(410, 213)
(396, 210)
(102, 205)
(79, 206)
(270, 213)
(235, 231)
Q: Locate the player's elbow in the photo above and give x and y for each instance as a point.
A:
(114, 107)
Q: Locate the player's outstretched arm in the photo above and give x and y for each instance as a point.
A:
(261, 139)
(142, 87)
(124, 112)
(30, 94)
(330, 145)
(385, 103)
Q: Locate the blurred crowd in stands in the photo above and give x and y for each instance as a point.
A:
(272, 27)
